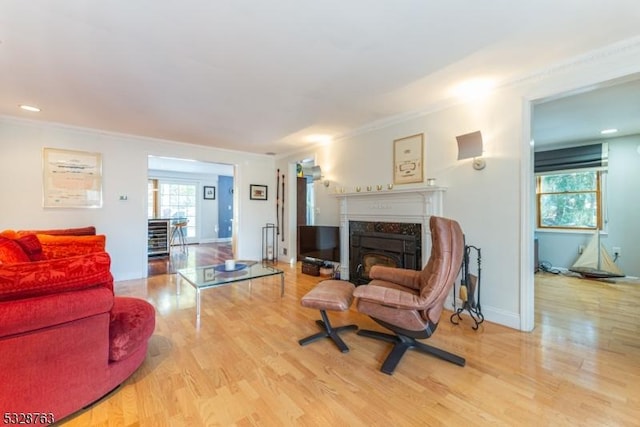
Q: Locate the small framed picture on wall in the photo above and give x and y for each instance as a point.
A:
(257, 192)
(209, 193)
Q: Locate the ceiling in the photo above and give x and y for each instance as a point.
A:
(274, 76)
(580, 117)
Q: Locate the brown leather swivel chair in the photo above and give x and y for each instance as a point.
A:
(410, 302)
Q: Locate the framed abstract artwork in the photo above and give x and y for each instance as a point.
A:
(71, 179)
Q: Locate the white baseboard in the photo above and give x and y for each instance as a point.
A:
(215, 240)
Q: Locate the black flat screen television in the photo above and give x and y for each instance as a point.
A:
(319, 242)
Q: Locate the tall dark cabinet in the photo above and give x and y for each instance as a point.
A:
(301, 204)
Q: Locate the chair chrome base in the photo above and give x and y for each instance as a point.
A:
(330, 332)
(402, 343)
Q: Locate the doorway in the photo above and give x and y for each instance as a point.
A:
(201, 193)
(225, 207)
(573, 119)
(307, 172)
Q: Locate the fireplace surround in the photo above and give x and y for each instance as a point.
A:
(406, 208)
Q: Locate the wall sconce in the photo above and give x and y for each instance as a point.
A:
(312, 171)
(470, 146)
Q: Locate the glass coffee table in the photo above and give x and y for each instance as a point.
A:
(212, 276)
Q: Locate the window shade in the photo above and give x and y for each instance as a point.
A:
(585, 156)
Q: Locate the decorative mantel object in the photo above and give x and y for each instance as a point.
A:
(410, 205)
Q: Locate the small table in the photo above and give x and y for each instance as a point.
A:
(212, 276)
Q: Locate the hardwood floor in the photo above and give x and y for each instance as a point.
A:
(209, 253)
(242, 364)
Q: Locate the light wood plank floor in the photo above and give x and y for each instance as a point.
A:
(242, 365)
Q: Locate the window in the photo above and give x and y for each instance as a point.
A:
(570, 200)
(310, 203)
(178, 200)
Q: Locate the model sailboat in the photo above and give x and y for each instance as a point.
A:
(595, 261)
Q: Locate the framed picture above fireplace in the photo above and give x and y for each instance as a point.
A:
(408, 159)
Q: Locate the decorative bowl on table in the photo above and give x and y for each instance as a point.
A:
(223, 268)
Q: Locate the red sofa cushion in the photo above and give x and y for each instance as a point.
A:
(79, 231)
(55, 247)
(31, 246)
(10, 234)
(11, 252)
(132, 323)
(29, 279)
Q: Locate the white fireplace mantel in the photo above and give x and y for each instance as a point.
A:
(412, 205)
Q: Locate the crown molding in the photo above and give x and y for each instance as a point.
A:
(611, 50)
(621, 47)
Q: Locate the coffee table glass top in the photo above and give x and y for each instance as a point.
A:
(211, 276)
(216, 275)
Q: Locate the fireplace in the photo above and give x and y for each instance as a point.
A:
(382, 243)
(400, 212)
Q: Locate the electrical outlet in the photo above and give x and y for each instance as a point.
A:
(616, 251)
(580, 249)
(284, 251)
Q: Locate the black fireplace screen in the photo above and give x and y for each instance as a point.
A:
(371, 259)
(382, 243)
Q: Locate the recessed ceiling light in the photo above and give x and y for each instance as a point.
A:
(608, 131)
(30, 108)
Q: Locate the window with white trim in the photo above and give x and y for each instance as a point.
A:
(570, 200)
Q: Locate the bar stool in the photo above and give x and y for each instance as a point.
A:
(178, 230)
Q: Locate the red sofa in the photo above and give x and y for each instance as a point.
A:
(65, 339)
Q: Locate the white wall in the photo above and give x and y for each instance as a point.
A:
(125, 160)
(560, 249)
(624, 202)
(495, 205)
